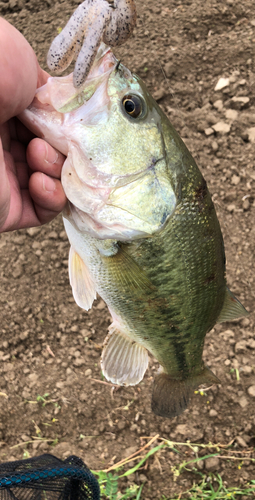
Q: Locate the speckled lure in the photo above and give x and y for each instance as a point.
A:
(93, 21)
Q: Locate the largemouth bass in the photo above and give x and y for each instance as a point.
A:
(142, 226)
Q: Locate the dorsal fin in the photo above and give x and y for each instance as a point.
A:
(232, 308)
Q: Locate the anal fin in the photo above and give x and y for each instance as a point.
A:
(171, 396)
(123, 362)
(84, 291)
(232, 308)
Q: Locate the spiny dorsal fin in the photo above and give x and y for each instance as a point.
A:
(123, 362)
(232, 308)
(84, 291)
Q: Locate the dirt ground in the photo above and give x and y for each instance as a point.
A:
(51, 348)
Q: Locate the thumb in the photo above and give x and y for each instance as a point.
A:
(4, 189)
(19, 72)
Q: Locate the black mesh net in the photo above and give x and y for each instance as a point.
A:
(47, 478)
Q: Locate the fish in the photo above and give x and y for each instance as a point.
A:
(142, 226)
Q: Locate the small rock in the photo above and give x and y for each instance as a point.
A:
(213, 413)
(121, 425)
(218, 105)
(245, 322)
(200, 464)
(211, 118)
(250, 343)
(169, 69)
(83, 397)
(231, 207)
(182, 429)
(24, 335)
(251, 391)
(17, 271)
(143, 478)
(242, 82)
(221, 127)
(215, 146)
(53, 235)
(63, 235)
(209, 131)
(235, 180)
(32, 231)
(240, 102)
(221, 84)
(60, 385)
(246, 206)
(159, 94)
(241, 441)
(247, 370)
(212, 464)
(243, 402)
(79, 362)
(88, 372)
(231, 114)
(251, 134)
(74, 328)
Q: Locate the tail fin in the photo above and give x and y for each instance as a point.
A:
(171, 397)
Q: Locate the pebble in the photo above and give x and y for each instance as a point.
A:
(235, 180)
(53, 235)
(251, 391)
(74, 328)
(231, 207)
(159, 94)
(251, 343)
(88, 372)
(221, 84)
(208, 131)
(231, 114)
(215, 146)
(246, 204)
(241, 441)
(143, 478)
(251, 134)
(32, 231)
(79, 362)
(247, 370)
(240, 347)
(240, 102)
(212, 464)
(221, 127)
(17, 271)
(121, 425)
(243, 402)
(218, 105)
(83, 397)
(169, 69)
(213, 413)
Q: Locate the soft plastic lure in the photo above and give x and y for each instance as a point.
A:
(93, 21)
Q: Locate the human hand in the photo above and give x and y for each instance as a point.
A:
(30, 189)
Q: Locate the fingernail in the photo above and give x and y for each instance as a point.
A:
(49, 184)
(51, 156)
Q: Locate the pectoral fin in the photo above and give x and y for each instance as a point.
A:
(123, 362)
(84, 291)
(171, 397)
(232, 308)
(126, 272)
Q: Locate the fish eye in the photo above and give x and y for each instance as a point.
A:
(133, 105)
